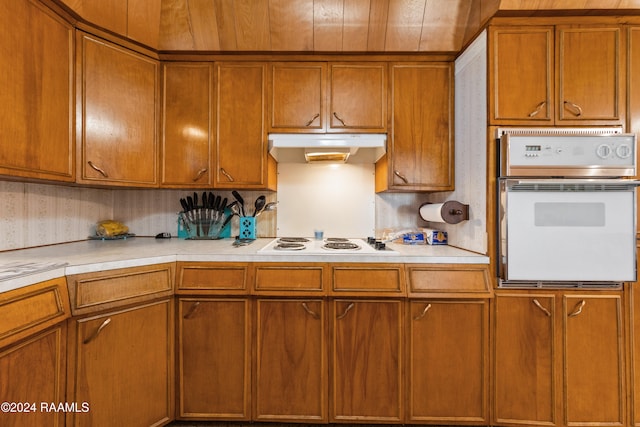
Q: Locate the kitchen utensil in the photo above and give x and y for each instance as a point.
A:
(259, 205)
(185, 206)
(240, 200)
(195, 199)
(271, 206)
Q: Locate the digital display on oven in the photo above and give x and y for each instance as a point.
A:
(530, 148)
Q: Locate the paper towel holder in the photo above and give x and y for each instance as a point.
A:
(451, 212)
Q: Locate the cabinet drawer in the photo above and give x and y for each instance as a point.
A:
(200, 276)
(449, 280)
(306, 278)
(28, 310)
(386, 279)
(106, 289)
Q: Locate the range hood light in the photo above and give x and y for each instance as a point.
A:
(334, 156)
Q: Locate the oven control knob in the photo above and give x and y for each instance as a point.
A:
(603, 151)
(623, 151)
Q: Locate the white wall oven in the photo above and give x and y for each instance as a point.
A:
(567, 207)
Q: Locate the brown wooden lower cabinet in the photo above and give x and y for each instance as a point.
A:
(214, 358)
(447, 364)
(366, 361)
(121, 365)
(290, 382)
(559, 358)
(32, 374)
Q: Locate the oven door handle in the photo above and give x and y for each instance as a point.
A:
(573, 185)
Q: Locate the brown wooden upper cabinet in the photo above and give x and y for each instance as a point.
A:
(334, 97)
(116, 114)
(420, 146)
(36, 102)
(241, 132)
(556, 75)
(187, 118)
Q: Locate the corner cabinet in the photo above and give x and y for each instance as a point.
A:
(328, 97)
(117, 115)
(556, 75)
(36, 103)
(241, 156)
(420, 146)
(186, 154)
(545, 345)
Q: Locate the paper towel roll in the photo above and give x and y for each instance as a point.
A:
(451, 212)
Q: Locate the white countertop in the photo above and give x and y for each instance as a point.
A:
(97, 255)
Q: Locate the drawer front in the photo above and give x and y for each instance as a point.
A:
(205, 276)
(28, 310)
(461, 280)
(387, 279)
(96, 291)
(289, 278)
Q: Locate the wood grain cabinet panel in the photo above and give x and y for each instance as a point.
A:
(285, 279)
(122, 364)
(447, 364)
(366, 361)
(557, 75)
(187, 125)
(368, 278)
(34, 374)
(633, 91)
(117, 114)
(214, 358)
(241, 132)
(566, 349)
(420, 146)
(461, 280)
(291, 361)
(36, 104)
(209, 278)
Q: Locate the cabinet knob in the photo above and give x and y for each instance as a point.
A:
(573, 108)
(313, 119)
(423, 312)
(339, 119)
(402, 177)
(311, 312)
(97, 331)
(537, 109)
(346, 310)
(199, 174)
(541, 307)
(578, 309)
(226, 174)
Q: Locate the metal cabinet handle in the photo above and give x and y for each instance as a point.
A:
(199, 174)
(578, 309)
(311, 312)
(339, 119)
(574, 108)
(312, 119)
(192, 310)
(346, 310)
(97, 331)
(544, 310)
(225, 173)
(103, 173)
(402, 177)
(537, 109)
(423, 312)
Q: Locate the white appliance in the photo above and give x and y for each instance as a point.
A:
(567, 207)
(327, 147)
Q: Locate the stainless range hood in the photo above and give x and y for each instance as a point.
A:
(336, 148)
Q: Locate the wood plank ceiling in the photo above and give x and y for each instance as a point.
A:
(308, 26)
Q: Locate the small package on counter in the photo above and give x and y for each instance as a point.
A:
(416, 238)
(435, 237)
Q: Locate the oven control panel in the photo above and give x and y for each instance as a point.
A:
(568, 155)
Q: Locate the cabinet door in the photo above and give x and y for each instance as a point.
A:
(590, 75)
(594, 390)
(186, 155)
(447, 361)
(521, 75)
(634, 344)
(358, 97)
(123, 367)
(241, 150)
(291, 358)
(116, 114)
(525, 387)
(366, 361)
(214, 358)
(420, 151)
(33, 374)
(36, 103)
(297, 97)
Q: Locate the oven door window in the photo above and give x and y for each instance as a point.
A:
(570, 236)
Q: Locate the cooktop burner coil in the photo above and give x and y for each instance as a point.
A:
(285, 246)
(341, 246)
(293, 240)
